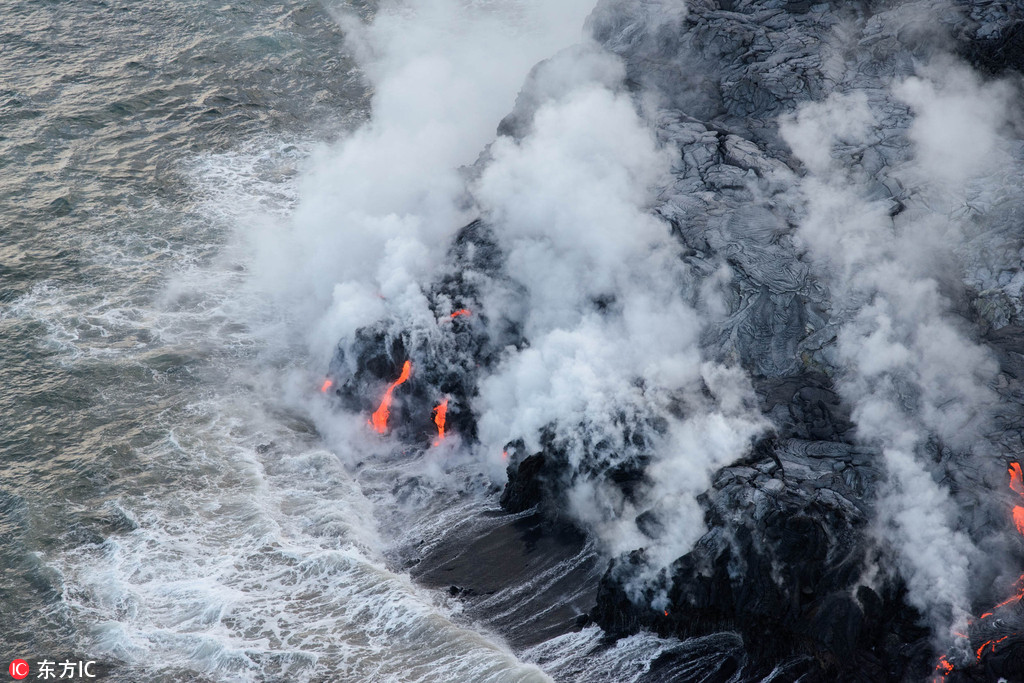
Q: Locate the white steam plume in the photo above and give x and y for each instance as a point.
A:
(377, 209)
(613, 340)
(910, 372)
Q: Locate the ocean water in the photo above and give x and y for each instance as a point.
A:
(168, 504)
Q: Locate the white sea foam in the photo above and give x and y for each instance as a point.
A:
(253, 553)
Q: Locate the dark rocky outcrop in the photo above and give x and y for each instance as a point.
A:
(541, 480)
(992, 37)
(787, 562)
(783, 565)
(447, 355)
(525, 488)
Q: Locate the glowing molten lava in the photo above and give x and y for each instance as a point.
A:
(945, 667)
(379, 419)
(461, 311)
(440, 415)
(1018, 518)
(327, 385)
(1016, 478)
(987, 643)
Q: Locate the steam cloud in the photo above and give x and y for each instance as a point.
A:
(612, 341)
(377, 210)
(912, 373)
(613, 353)
(608, 308)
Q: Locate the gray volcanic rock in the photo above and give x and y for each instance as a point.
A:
(789, 561)
(992, 38)
(781, 565)
(543, 479)
(788, 541)
(446, 355)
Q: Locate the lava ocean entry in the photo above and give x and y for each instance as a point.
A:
(504, 341)
(725, 315)
(440, 415)
(379, 419)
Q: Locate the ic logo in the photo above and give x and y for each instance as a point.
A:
(18, 669)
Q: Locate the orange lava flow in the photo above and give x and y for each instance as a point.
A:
(440, 415)
(1009, 601)
(327, 385)
(379, 419)
(1018, 518)
(945, 667)
(1016, 478)
(993, 643)
(461, 311)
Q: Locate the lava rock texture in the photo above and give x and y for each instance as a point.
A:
(781, 566)
(788, 546)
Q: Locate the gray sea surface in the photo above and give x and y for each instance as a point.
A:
(144, 518)
(165, 509)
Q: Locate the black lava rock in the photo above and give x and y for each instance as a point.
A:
(525, 487)
(783, 565)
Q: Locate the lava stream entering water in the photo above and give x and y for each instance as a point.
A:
(440, 416)
(379, 419)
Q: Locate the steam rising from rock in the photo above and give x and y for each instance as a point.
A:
(378, 209)
(613, 341)
(611, 368)
(617, 229)
(911, 372)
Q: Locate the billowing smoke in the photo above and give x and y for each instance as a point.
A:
(609, 371)
(377, 210)
(885, 230)
(613, 343)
